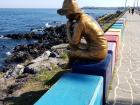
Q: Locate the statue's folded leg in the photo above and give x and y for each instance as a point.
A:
(87, 54)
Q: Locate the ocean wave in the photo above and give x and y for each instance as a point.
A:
(3, 37)
(38, 31)
(54, 23)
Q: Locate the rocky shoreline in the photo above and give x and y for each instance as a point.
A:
(51, 36)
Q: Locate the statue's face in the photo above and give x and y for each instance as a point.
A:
(72, 17)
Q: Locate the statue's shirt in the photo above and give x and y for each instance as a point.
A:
(89, 29)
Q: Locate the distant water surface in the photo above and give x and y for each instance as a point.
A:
(23, 20)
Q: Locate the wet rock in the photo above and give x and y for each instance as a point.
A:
(54, 61)
(54, 55)
(18, 57)
(57, 34)
(38, 66)
(7, 67)
(29, 70)
(14, 88)
(15, 36)
(52, 36)
(21, 53)
(3, 88)
(15, 72)
(43, 57)
(60, 49)
(41, 63)
(60, 46)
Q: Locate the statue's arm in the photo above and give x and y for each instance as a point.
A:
(69, 36)
(77, 34)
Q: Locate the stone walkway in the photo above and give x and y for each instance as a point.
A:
(126, 82)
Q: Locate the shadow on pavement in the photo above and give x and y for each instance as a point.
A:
(123, 102)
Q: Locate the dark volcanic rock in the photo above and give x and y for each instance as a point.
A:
(27, 52)
(29, 70)
(18, 57)
(52, 36)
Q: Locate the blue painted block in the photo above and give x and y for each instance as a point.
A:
(102, 68)
(120, 22)
(122, 19)
(112, 50)
(74, 89)
(117, 27)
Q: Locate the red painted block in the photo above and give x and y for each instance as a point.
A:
(114, 33)
(115, 39)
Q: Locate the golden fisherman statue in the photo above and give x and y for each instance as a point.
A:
(86, 38)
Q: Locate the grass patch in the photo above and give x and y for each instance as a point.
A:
(1, 74)
(64, 56)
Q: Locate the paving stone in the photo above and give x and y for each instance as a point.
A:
(124, 86)
(124, 73)
(123, 93)
(136, 75)
(131, 81)
(122, 104)
(136, 89)
(137, 81)
(124, 69)
(136, 99)
(123, 77)
(126, 63)
(127, 101)
(135, 67)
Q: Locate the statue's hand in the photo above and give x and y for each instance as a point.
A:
(69, 24)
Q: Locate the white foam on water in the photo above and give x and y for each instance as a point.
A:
(8, 53)
(47, 25)
(2, 37)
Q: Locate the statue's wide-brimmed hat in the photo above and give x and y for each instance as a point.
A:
(69, 7)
